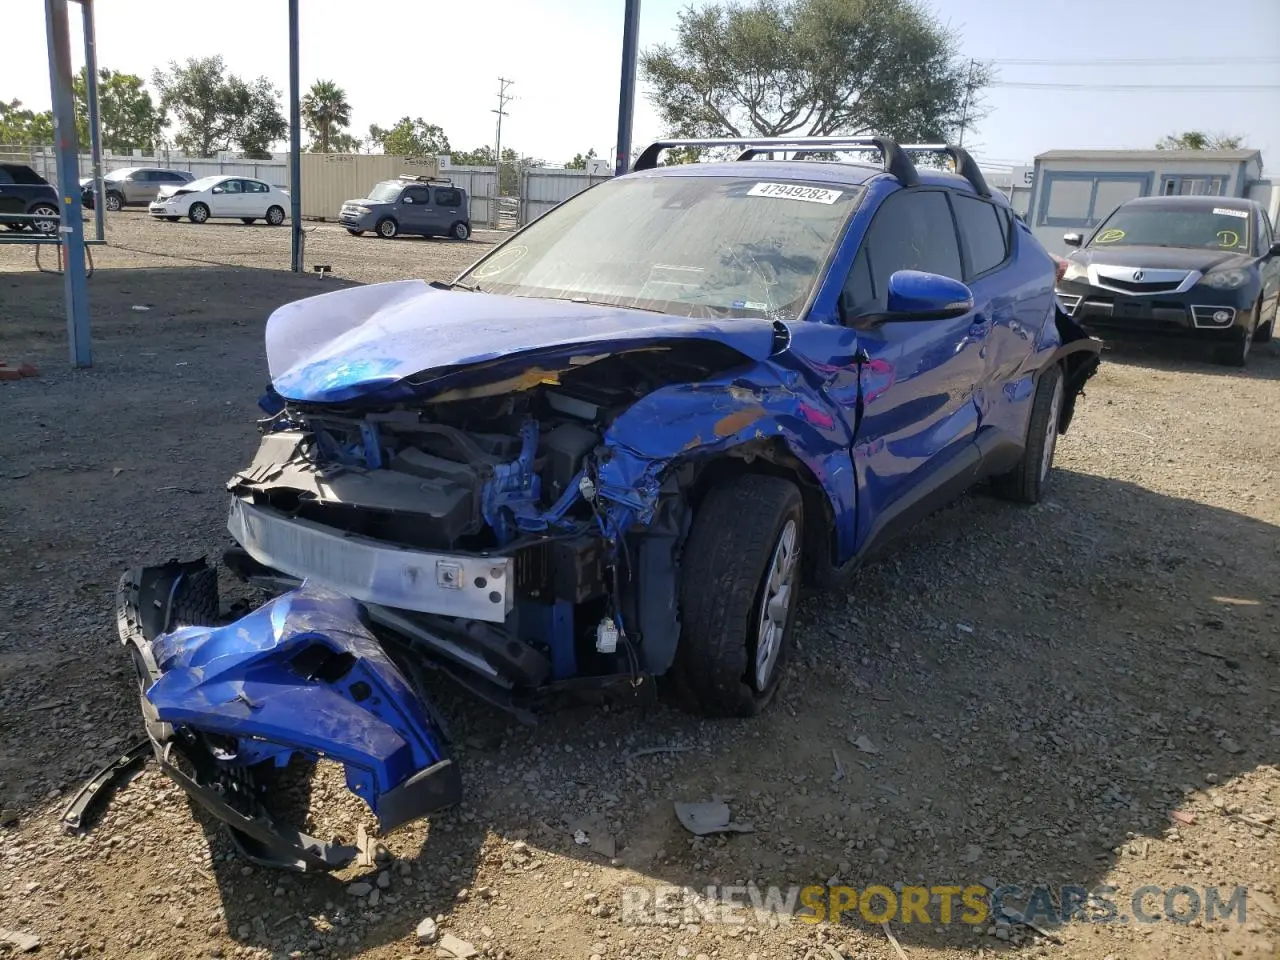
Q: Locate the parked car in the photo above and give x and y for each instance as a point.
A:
(27, 200)
(132, 185)
(424, 206)
(1203, 269)
(613, 449)
(222, 197)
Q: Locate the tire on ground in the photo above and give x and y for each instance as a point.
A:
(1025, 482)
(722, 584)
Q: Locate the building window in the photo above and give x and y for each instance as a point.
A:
(1196, 186)
(1084, 199)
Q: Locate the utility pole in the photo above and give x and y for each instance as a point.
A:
(627, 88)
(968, 94)
(503, 99)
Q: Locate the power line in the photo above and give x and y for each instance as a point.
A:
(1182, 87)
(1135, 61)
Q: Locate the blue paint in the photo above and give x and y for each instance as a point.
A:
(552, 625)
(244, 681)
(1044, 190)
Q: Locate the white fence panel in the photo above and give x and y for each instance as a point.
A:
(480, 184)
(542, 189)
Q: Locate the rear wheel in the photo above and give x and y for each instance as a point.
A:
(1025, 483)
(460, 231)
(387, 228)
(739, 584)
(46, 218)
(275, 216)
(198, 213)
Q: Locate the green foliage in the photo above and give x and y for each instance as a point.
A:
(813, 67)
(410, 138)
(1198, 140)
(217, 110)
(326, 112)
(579, 161)
(128, 119)
(22, 127)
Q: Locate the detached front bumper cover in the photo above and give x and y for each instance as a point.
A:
(299, 675)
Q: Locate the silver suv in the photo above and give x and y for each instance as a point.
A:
(137, 185)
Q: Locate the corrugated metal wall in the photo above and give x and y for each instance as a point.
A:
(542, 189)
(330, 179)
(479, 182)
(41, 159)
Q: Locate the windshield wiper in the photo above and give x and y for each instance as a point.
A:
(441, 285)
(604, 303)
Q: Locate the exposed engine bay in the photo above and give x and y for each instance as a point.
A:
(505, 475)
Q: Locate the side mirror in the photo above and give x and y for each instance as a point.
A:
(218, 190)
(1072, 239)
(1275, 248)
(916, 295)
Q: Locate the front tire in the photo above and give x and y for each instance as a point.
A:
(387, 228)
(1264, 332)
(355, 233)
(739, 585)
(1025, 483)
(173, 219)
(113, 202)
(1236, 353)
(198, 213)
(248, 219)
(275, 216)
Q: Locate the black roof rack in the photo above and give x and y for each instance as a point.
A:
(897, 158)
(423, 178)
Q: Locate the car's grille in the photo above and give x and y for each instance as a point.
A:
(1130, 286)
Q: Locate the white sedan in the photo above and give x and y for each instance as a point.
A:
(222, 197)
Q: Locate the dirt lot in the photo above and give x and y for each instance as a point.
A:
(1042, 687)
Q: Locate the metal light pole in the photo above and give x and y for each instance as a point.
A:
(295, 144)
(70, 224)
(95, 124)
(627, 93)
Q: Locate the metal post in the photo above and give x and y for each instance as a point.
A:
(627, 93)
(70, 225)
(295, 143)
(95, 127)
(495, 211)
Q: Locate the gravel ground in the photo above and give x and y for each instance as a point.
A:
(1042, 687)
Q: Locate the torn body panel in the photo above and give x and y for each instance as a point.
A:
(299, 676)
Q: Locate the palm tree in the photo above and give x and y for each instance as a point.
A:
(325, 111)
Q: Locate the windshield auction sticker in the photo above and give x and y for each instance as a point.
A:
(1228, 212)
(794, 191)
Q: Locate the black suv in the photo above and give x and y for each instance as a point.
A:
(1200, 268)
(23, 191)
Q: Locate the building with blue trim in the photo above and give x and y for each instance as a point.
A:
(1074, 190)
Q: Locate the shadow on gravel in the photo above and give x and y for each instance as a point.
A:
(1264, 359)
(1116, 655)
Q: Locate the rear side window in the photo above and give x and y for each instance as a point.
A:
(21, 174)
(255, 186)
(984, 232)
(448, 197)
(166, 177)
(4, 176)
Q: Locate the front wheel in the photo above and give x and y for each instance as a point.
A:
(460, 231)
(198, 213)
(113, 201)
(248, 219)
(387, 228)
(1236, 353)
(1025, 483)
(739, 584)
(1265, 331)
(173, 219)
(275, 216)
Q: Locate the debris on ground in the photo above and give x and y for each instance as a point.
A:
(451, 948)
(863, 743)
(21, 942)
(710, 817)
(427, 931)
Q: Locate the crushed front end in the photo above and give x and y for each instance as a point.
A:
(301, 676)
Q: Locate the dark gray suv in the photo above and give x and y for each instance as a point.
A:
(136, 185)
(423, 206)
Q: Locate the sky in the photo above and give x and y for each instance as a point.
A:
(442, 62)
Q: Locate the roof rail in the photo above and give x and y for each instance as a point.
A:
(423, 178)
(897, 160)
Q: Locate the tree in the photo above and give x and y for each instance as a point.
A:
(579, 161)
(1197, 140)
(326, 112)
(813, 67)
(127, 117)
(22, 127)
(410, 138)
(217, 109)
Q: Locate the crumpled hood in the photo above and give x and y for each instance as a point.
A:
(367, 342)
(1163, 258)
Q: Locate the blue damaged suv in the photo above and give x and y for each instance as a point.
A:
(612, 450)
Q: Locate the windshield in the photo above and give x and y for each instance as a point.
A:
(1176, 225)
(385, 191)
(204, 183)
(690, 246)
